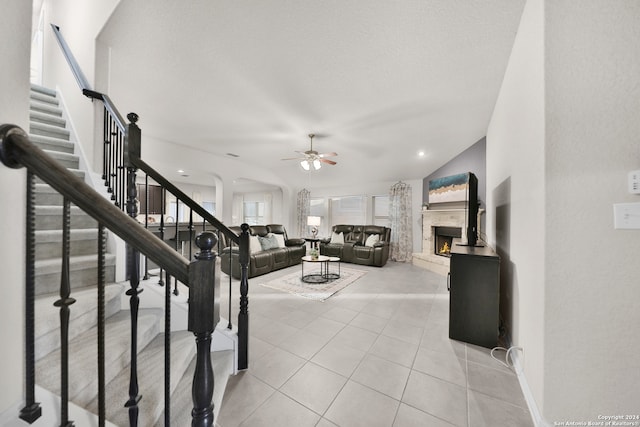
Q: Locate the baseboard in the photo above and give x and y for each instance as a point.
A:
(536, 416)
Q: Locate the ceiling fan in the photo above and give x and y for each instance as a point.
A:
(313, 159)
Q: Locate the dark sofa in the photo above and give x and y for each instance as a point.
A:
(354, 248)
(264, 261)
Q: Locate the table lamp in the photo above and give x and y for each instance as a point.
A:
(314, 222)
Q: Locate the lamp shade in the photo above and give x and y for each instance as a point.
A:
(314, 220)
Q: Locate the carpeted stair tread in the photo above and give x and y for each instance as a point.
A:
(42, 90)
(44, 107)
(44, 98)
(46, 118)
(48, 130)
(79, 262)
(49, 217)
(52, 143)
(150, 380)
(83, 315)
(83, 379)
(68, 160)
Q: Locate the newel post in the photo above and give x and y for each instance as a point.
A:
(243, 315)
(131, 149)
(204, 314)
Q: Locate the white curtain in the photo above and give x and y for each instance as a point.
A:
(237, 210)
(302, 211)
(268, 203)
(401, 222)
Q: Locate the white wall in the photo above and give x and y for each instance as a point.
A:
(14, 109)
(80, 24)
(562, 138)
(515, 217)
(592, 271)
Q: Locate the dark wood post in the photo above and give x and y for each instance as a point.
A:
(243, 316)
(204, 314)
(132, 149)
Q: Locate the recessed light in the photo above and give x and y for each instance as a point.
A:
(180, 171)
(421, 153)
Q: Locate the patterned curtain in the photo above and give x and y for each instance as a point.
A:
(303, 210)
(401, 222)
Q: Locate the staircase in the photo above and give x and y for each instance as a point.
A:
(48, 131)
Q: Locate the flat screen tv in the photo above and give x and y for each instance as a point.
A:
(472, 210)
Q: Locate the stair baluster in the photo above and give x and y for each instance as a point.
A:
(32, 409)
(64, 303)
(102, 282)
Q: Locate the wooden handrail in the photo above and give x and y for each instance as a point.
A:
(16, 151)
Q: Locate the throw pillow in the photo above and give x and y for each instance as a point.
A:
(280, 239)
(268, 242)
(254, 244)
(337, 238)
(372, 240)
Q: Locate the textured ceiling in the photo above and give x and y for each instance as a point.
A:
(377, 80)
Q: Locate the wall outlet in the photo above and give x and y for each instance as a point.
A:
(634, 182)
(626, 215)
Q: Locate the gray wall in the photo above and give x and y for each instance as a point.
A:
(473, 159)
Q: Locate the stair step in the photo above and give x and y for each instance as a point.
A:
(83, 378)
(49, 130)
(83, 272)
(44, 98)
(52, 144)
(45, 107)
(50, 218)
(42, 90)
(81, 242)
(68, 160)
(83, 315)
(76, 172)
(150, 380)
(45, 118)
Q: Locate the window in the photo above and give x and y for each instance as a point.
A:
(254, 213)
(381, 210)
(348, 210)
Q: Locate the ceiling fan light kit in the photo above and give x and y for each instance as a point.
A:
(312, 159)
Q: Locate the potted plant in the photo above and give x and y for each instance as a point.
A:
(314, 253)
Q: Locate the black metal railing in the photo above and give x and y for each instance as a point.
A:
(199, 275)
(121, 150)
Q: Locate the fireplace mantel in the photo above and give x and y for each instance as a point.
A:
(432, 218)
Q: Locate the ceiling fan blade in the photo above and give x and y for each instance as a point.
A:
(327, 161)
(328, 154)
(294, 158)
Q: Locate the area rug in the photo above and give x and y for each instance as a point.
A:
(293, 284)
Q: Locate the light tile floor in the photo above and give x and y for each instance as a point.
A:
(377, 353)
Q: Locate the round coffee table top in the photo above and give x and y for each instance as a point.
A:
(321, 258)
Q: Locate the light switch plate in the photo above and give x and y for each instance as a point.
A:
(634, 182)
(626, 215)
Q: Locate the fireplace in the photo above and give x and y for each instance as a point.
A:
(443, 239)
(433, 219)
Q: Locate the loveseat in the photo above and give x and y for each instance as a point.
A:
(358, 244)
(269, 249)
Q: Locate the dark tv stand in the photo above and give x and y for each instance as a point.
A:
(474, 298)
(477, 245)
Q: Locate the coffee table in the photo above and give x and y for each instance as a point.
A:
(316, 277)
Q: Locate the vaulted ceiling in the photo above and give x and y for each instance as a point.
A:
(378, 80)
